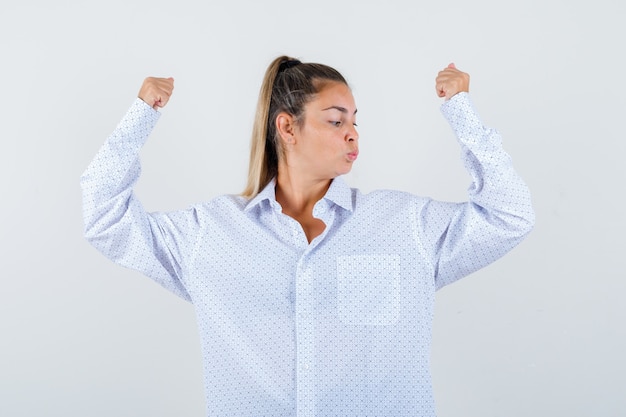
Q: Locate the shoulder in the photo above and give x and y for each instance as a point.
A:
(228, 200)
(385, 195)
(222, 205)
(386, 201)
(203, 213)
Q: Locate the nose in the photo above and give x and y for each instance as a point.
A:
(352, 135)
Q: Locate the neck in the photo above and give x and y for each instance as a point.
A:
(298, 194)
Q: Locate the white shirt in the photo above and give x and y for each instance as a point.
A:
(340, 326)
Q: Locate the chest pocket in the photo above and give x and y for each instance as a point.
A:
(368, 289)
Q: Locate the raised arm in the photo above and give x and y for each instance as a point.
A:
(115, 222)
(467, 236)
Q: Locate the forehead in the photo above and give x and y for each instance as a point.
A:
(334, 94)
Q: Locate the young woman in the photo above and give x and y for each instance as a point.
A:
(312, 299)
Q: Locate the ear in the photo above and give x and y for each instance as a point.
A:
(285, 126)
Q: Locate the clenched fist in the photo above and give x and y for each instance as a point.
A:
(156, 92)
(451, 81)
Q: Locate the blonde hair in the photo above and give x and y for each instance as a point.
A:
(288, 86)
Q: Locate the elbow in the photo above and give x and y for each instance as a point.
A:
(90, 232)
(110, 239)
(94, 232)
(523, 222)
(514, 223)
(90, 228)
(528, 216)
(530, 220)
(93, 216)
(100, 224)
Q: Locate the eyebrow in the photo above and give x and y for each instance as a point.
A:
(341, 109)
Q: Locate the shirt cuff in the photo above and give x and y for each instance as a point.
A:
(462, 116)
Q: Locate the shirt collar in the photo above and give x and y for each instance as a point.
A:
(338, 193)
(268, 193)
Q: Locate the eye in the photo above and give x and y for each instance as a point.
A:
(336, 123)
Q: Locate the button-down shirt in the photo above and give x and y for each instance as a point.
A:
(340, 326)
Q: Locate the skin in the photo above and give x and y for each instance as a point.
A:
(156, 92)
(450, 81)
(322, 146)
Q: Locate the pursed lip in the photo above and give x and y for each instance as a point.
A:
(353, 155)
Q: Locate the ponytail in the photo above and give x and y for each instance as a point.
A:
(263, 159)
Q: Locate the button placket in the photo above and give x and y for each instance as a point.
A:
(305, 332)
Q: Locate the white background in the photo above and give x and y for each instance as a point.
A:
(538, 333)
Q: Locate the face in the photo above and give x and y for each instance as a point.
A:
(326, 141)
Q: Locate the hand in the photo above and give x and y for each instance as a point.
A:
(156, 92)
(451, 81)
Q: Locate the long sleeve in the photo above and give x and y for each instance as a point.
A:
(498, 213)
(115, 222)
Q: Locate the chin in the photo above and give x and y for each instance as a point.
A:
(344, 171)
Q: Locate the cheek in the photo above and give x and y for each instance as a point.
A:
(324, 142)
(332, 147)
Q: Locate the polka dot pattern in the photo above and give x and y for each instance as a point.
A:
(340, 326)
